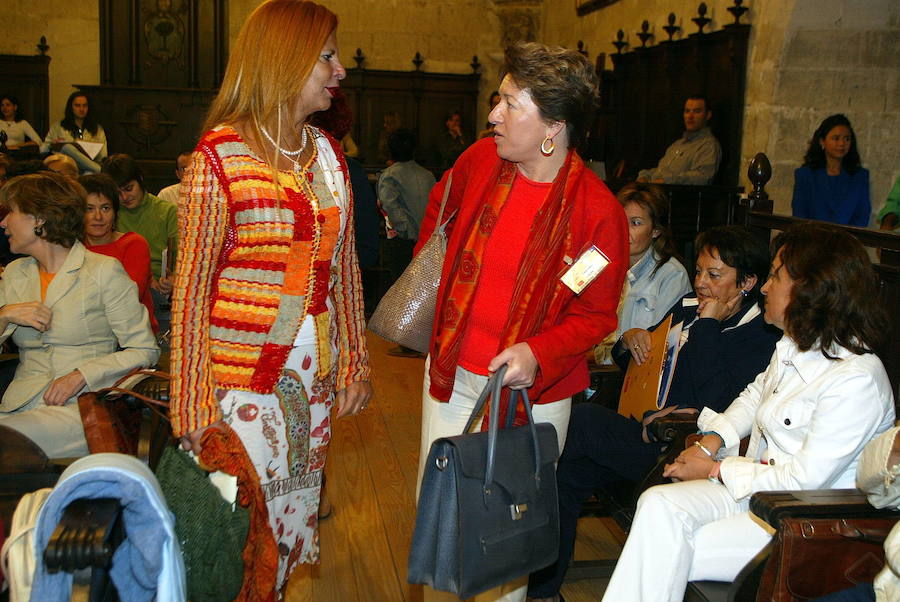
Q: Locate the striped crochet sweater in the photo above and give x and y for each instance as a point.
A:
(250, 269)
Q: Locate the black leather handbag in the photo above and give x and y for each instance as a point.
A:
(488, 511)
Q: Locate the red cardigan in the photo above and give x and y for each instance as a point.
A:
(133, 252)
(585, 319)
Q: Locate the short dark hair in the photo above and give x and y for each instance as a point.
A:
(57, 200)
(815, 154)
(402, 144)
(740, 249)
(836, 290)
(655, 201)
(102, 184)
(451, 113)
(702, 97)
(123, 168)
(562, 84)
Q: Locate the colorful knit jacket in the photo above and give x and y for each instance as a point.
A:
(250, 268)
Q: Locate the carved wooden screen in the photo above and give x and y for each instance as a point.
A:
(643, 97)
(163, 43)
(421, 101)
(27, 78)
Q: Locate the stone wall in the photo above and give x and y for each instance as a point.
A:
(447, 33)
(72, 32)
(808, 59)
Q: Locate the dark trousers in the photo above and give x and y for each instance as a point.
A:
(398, 253)
(861, 592)
(602, 447)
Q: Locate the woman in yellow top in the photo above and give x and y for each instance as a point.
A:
(267, 316)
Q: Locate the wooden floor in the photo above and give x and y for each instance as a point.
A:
(371, 472)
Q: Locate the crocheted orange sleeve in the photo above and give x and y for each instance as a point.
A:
(353, 353)
(202, 223)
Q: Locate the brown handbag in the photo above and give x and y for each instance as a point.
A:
(813, 557)
(405, 314)
(112, 417)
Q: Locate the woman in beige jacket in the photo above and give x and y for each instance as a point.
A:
(74, 315)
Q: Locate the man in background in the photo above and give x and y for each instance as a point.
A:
(693, 158)
(170, 193)
(403, 194)
(154, 219)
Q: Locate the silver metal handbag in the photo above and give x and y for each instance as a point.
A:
(405, 313)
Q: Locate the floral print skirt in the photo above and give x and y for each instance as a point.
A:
(286, 435)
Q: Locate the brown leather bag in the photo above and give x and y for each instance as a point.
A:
(112, 417)
(817, 556)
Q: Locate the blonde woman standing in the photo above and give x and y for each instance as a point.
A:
(267, 319)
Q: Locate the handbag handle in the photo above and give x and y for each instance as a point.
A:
(151, 403)
(438, 224)
(493, 388)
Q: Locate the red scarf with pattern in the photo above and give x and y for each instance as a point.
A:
(536, 301)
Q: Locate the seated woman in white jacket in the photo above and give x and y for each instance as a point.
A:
(74, 314)
(824, 395)
(77, 126)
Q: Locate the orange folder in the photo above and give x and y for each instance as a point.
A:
(640, 391)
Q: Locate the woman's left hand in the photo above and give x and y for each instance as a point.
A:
(521, 366)
(690, 465)
(63, 388)
(354, 399)
(719, 309)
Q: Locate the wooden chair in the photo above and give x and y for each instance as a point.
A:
(89, 531)
(24, 467)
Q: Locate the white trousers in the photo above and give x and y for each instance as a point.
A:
(688, 531)
(441, 419)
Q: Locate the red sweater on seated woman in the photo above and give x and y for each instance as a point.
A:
(100, 236)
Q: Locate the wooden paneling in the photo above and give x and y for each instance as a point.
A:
(27, 78)
(421, 99)
(643, 97)
(177, 44)
(152, 124)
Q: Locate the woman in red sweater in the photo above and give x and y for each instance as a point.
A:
(528, 216)
(101, 236)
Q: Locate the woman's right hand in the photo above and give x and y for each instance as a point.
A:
(637, 340)
(33, 314)
(191, 441)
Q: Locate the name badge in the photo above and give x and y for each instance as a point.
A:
(587, 267)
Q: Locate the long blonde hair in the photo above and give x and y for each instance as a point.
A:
(272, 58)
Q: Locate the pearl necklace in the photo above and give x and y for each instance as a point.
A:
(284, 152)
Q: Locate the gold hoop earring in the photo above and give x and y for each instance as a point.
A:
(548, 151)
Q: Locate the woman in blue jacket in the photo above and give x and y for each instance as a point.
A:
(832, 186)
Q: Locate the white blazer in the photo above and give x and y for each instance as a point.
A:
(808, 418)
(98, 326)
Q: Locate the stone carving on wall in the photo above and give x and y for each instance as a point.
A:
(518, 25)
(148, 126)
(164, 32)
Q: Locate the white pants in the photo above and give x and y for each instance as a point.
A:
(441, 419)
(682, 532)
